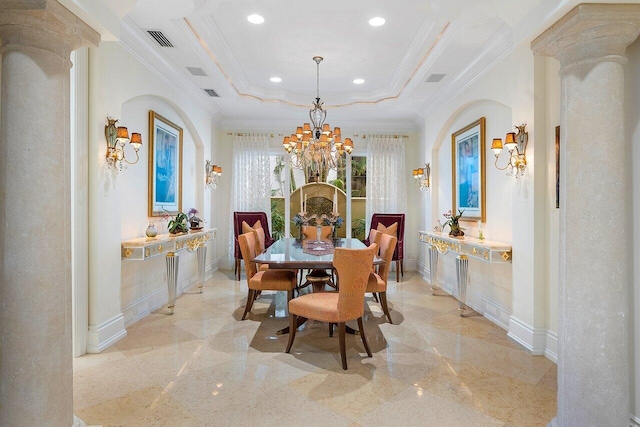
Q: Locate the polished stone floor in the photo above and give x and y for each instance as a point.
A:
(204, 367)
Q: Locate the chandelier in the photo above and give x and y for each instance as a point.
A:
(314, 144)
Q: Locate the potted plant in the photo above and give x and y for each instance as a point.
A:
(452, 222)
(177, 224)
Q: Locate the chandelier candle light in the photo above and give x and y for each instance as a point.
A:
(314, 144)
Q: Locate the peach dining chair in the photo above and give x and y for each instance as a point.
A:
(378, 281)
(353, 268)
(252, 219)
(309, 232)
(265, 280)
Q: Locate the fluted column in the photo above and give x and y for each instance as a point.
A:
(36, 39)
(595, 213)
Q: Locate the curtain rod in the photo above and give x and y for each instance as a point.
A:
(280, 134)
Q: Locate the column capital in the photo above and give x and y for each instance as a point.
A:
(590, 33)
(43, 25)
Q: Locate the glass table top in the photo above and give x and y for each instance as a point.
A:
(290, 252)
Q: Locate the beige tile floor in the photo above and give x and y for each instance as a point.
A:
(204, 367)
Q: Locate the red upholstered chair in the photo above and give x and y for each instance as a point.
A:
(387, 220)
(266, 280)
(353, 267)
(250, 218)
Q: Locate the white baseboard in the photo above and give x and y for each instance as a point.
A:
(105, 334)
(533, 339)
(145, 305)
(551, 350)
(635, 421)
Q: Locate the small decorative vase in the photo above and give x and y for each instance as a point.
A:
(151, 231)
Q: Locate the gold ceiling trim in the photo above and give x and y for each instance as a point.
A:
(204, 46)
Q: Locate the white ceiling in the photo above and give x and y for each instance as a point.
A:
(458, 38)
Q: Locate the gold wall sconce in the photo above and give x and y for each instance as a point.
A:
(517, 146)
(117, 137)
(422, 177)
(214, 172)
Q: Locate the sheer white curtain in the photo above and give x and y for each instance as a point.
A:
(386, 184)
(251, 180)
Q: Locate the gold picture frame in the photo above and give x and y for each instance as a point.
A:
(165, 166)
(468, 171)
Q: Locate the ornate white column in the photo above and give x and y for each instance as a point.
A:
(37, 38)
(595, 213)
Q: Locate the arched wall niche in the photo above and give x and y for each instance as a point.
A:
(134, 182)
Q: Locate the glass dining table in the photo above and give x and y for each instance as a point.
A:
(292, 253)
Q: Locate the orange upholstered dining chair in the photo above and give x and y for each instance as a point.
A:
(378, 282)
(353, 267)
(266, 280)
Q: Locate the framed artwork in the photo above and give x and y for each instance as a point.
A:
(165, 166)
(468, 171)
(557, 167)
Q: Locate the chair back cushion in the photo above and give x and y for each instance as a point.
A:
(259, 234)
(309, 232)
(387, 247)
(353, 267)
(392, 230)
(247, 243)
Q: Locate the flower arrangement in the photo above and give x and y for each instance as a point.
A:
(194, 221)
(332, 219)
(452, 222)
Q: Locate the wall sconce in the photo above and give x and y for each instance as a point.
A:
(117, 137)
(214, 172)
(422, 177)
(517, 145)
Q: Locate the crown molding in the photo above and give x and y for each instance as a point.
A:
(134, 41)
(499, 45)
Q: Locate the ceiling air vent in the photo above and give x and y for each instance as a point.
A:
(159, 37)
(196, 71)
(212, 93)
(434, 78)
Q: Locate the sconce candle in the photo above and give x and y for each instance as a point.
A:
(117, 137)
(517, 146)
(422, 177)
(213, 172)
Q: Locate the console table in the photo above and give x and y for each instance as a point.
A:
(169, 245)
(465, 247)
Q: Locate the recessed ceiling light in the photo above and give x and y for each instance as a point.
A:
(275, 79)
(377, 21)
(358, 81)
(255, 19)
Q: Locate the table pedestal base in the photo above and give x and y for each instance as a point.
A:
(433, 269)
(201, 254)
(172, 259)
(462, 274)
